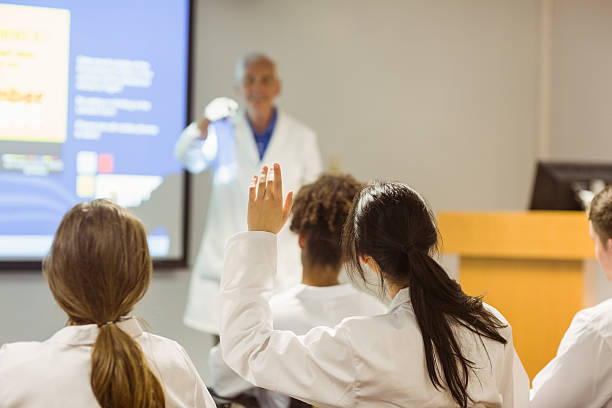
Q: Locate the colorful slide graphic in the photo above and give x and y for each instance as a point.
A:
(91, 105)
(34, 48)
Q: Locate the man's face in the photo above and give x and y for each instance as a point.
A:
(259, 88)
(603, 251)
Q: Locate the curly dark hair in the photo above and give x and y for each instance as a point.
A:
(319, 211)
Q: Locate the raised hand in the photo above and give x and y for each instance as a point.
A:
(266, 209)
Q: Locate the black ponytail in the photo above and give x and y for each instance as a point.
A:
(391, 223)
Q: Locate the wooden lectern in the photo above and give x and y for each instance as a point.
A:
(529, 266)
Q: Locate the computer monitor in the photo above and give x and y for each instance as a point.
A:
(568, 186)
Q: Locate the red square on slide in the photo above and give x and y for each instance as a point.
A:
(105, 163)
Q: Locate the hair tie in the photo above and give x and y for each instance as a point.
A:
(106, 324)
(408, 249)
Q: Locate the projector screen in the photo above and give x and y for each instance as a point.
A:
(93, 96)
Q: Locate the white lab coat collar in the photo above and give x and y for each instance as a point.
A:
(86, 334)
(401, 297)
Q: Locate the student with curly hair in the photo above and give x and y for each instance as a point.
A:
(318, 215)
(581, 373)
(98, 269)
(435, 347)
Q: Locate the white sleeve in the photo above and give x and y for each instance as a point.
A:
(225, 382)
(318, 368)
(196, 154)
(581, 373)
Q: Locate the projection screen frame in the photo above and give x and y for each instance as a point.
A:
(35, 266)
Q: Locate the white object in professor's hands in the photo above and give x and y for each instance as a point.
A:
(220, 108)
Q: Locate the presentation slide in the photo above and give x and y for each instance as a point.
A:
(93, 96)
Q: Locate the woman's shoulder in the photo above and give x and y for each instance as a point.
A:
(176, 371)
(34, 352)
(160, 347)
(398, 324)
(29, 362)
(23, 351)
(9, 348)
(495, 312)
(506, 330)
(166, 354)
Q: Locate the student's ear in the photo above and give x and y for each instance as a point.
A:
(368, 260)
(608, 245)
(301, 240)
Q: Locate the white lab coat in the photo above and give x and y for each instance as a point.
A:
(297, 309)
(233, 162)
(56, 373)
(581, 373)
(363, 362)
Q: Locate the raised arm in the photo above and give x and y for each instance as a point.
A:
(223, 379)
(197, 146)
(318, 367)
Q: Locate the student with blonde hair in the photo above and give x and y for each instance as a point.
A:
(435, 347)
(98, 269)
(581, 373)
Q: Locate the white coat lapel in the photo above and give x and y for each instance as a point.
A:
(245, 142)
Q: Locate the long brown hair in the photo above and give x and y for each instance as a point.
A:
(98, 268)
(391, 223)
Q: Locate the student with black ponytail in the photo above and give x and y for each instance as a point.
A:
(435, 347)
(393, 232)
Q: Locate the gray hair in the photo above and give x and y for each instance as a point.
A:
(248, 59)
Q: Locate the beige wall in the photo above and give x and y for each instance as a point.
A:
(440, 94)
(581, 80)
(581, 93)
